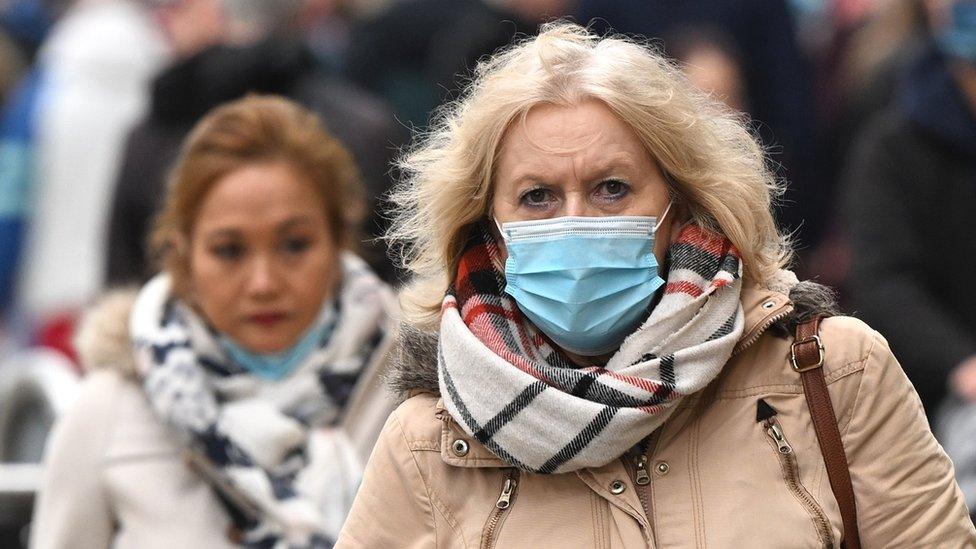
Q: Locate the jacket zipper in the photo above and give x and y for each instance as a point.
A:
(787, 459)
(637, 467)
(759, 332)
(502, 506)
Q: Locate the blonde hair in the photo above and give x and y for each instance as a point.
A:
(717, 169)
(254, 130)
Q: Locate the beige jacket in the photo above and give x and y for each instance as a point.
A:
(717, 476)
(115, 475)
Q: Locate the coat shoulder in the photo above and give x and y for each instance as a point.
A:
(92, 415)
(111, 408)
(419, 422)
(766, 365)
(850, 341)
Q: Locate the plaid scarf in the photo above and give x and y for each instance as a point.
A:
(266, 446)
(533, 408)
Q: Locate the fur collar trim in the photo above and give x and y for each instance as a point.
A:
(102, 340)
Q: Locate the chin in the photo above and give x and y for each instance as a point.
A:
(266, 343)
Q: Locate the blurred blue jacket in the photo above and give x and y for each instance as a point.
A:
(17, 125)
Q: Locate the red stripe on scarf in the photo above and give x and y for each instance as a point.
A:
(474, 262)
(684, 287)
(653, 387)
(479, 320)
(707, 241)
(720, 282)
(472, 318)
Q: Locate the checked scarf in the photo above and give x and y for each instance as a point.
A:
(508, 387)
(267, 447)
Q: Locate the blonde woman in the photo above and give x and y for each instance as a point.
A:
(234, 400)
(599, 341)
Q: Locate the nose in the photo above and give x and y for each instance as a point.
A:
(577, 205)
(263, 278)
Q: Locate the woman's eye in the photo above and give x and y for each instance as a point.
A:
(613, 189)
(296, 245)
(537, 197)
(227, 252)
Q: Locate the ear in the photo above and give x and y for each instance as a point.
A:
(680, 218)
(499, 261)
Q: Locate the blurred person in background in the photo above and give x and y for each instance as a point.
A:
(254, 357)
(263, 50)
(23, 26)
(414, 52)
(597, 341)
(27, 22)
(776, 77)
(911, 197)
(92, 75)
(862, 48)
(710, 61)
(911, 201)
(867, 65)
(16, 144)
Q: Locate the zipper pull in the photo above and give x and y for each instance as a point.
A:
(776, 433)
(643, 478)
(505, 499)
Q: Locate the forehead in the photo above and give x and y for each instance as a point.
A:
(259, 195)
(588, 133)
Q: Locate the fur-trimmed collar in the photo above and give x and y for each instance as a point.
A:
(414, 363)
(102, 340)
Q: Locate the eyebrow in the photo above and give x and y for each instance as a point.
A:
(284, 226)
(222, 233)
(295, 221)
(602, 170)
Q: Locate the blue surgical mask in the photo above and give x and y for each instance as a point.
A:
(958, 39)
(274, 367)
(586, 282)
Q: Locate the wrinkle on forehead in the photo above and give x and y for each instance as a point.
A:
(587, 144)
(558, 151)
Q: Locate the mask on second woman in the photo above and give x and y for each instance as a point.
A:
(586, 282)
(274, 367)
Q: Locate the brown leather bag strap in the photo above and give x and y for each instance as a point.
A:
(807, 357)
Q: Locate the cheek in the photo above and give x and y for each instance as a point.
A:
(314, 277)
(211, 288)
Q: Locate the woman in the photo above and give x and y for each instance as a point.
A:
(235, 399)
(599, 338)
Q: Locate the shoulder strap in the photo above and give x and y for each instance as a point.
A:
(807, 357)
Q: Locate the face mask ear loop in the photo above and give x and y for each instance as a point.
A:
(664, 215)
(500, 231)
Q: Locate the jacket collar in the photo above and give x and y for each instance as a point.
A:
(459, 448)
(761, 308)
(102, 339)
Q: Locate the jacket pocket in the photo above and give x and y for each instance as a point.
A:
(506, 499)
(791, 474)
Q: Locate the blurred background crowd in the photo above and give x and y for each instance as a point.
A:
(867, 107)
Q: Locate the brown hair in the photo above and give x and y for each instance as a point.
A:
(249, 131)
